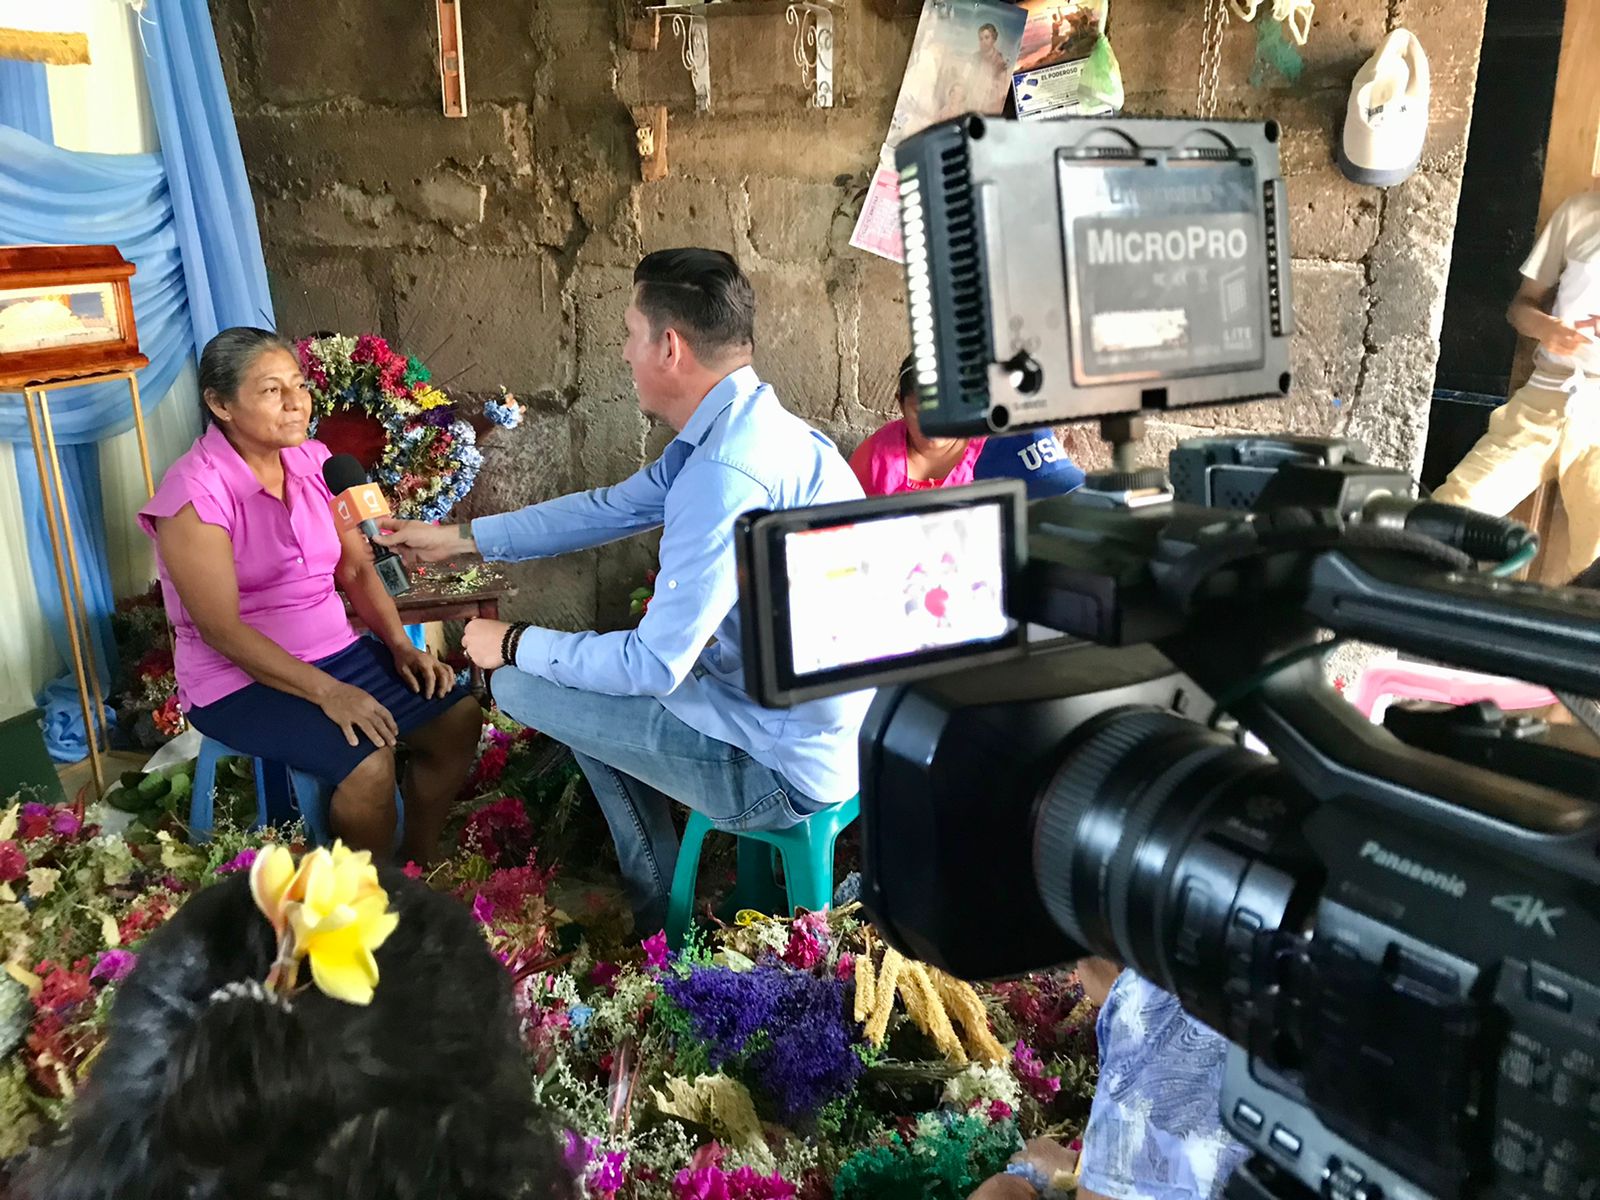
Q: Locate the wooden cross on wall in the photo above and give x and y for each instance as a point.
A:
(452, 58)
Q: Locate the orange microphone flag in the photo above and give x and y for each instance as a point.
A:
(355, 505)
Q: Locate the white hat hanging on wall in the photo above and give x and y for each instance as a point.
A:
(1386, 122)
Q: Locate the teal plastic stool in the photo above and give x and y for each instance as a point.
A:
(807, 854)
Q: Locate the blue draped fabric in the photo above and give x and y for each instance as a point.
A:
(214, 214)
(80, 477)
(24, 99)
(184, 217)
(53, 195)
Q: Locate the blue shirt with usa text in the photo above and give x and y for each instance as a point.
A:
(1037, 458)
(740, 450)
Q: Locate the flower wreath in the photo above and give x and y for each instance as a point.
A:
(381, 406)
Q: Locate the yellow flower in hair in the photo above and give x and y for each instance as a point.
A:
(272, 876)
(343, 918)
(332, 911)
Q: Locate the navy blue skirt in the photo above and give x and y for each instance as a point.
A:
(278, 727)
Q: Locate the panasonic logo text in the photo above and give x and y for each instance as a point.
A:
(1450, 885)
(1109, 247)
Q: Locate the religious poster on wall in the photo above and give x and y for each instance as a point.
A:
(1057, 42)
(962, 60)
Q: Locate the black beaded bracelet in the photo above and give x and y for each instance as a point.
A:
(509, 641)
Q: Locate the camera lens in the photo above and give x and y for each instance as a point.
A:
(1166, 846)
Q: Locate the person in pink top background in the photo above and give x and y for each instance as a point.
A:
(252, 566)
(898, 458)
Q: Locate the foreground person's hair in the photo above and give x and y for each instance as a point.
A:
(210, 1088)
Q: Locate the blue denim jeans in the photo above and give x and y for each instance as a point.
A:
(638, 758)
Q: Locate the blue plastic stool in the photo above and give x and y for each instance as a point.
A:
(806, 850)
(307, 794)
(202, 796)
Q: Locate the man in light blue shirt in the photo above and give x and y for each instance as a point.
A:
(659, 713)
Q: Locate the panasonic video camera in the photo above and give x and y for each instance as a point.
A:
(1397, 927)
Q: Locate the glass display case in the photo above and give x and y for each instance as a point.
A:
(66, 312)
(66, 319)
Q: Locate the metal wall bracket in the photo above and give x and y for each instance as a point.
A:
(695, 45)
(813, 49)
(813, 22)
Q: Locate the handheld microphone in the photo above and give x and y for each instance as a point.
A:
(356, 505)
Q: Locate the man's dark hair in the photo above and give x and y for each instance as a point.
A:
(990, 28)
(703, 295)
(423, 1092)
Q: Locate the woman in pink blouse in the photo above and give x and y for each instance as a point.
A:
(898, 458)
(252, 567)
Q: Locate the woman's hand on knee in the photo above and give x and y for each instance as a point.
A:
(422, 671)
(355, 712)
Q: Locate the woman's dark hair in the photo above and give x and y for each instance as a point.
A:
(990, 29)
(906, 385)
(703, 295)
(422, 1093)
(228, 356)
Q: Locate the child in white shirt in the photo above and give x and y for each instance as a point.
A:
(1550, 428)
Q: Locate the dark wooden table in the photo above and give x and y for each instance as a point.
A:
(425, 603)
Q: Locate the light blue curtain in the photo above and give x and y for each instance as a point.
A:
(24, 100)
(53, 195)
(185, 219)
(214, 214)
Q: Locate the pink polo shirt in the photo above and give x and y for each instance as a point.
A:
(284, 553)
(880, 463)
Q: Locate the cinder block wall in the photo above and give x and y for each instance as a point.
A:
(501, 245)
